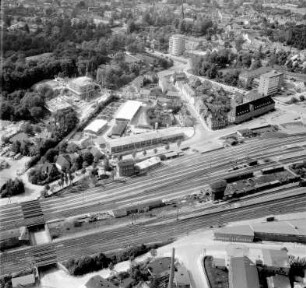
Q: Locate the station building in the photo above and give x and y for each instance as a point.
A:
(144, 140)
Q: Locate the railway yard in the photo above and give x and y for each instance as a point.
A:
(181, 183)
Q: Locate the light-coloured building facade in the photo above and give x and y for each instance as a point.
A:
(270, 83)
(177, 44)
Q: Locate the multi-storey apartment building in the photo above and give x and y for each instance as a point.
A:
(270, 83)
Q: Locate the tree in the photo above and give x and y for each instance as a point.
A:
(88, 157)
(51, 154)
(12, 187)
(27, 128)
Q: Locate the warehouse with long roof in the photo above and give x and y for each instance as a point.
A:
(140, 141)
(128, 110)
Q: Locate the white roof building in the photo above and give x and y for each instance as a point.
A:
(96, 126)
(148, 163)
(23, 281)
(128, 110)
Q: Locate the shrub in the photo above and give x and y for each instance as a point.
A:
(12, 187)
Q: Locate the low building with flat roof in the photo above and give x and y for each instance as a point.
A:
(243, 233)
(96, 127)
(141, 141)
(128, 110)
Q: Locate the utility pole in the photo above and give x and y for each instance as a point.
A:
(170, 284)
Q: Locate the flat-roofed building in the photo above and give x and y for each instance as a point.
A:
(82, 86)
(141, 141)
(243, 233)
(128, 110)
(242, 273)
(58, 105)
(270, 83)
(96, 127)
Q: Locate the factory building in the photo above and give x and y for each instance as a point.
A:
(270, 83)
(144, 140)
(128, 110)
(95, 128)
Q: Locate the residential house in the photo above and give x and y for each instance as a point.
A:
(99, 282)
(62, 163)
(49, 169)
(216, 120)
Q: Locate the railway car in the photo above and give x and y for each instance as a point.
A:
(237, 177)
(271, 170)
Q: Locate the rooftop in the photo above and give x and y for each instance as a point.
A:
(96, 125)
(244, 273)
(272, 73)
(167, 132)
(81, 81)
(99, 282)
(275, 258)
(274, 228)
(148, 162)
(278, 281)
(238, 230)
(128, 110)
(23, 281)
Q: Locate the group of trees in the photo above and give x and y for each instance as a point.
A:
(22, 105)
(99, 261)
(12, 187)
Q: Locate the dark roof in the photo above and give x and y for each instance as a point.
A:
(262, 102)
(98, 282)
(119, 128)
(242, 109)
(47, 167)
(62, 161)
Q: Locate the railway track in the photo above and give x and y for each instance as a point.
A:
(153, 232)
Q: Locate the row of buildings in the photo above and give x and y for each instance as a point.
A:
(282, 231)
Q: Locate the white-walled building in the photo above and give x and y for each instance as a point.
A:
(128, 110)
(177, 44)
(82, 86)
(270, 83)
(96, 127)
